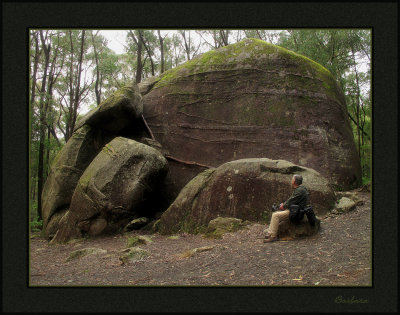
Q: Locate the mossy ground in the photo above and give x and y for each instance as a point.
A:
(137, 240)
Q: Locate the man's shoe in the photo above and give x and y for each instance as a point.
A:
(271, 239)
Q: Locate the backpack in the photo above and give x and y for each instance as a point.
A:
(295, 214)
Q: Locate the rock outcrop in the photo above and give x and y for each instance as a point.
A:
(251, 100)
(116, 112)
(113, 189)
(216, 118)
(91, 133)
(290, 230)
(65, 172)
(244, 189)
(219, 226)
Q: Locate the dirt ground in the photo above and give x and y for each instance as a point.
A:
(339, 255)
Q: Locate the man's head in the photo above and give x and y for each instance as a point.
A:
(297, 180)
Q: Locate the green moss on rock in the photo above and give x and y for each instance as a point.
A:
(247, 53)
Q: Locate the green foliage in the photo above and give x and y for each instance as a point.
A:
(36, 225)
(33, 211)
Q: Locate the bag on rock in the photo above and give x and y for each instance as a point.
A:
(295, 214)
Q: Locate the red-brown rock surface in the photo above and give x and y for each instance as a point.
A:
(252, 100)
(244, 189)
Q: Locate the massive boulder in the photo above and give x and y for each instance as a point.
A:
(244, 189)
(92, 132)
(114, 188)
(251, 100)
(65, 172)
(116, 112)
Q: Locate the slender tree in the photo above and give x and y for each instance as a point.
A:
(74, 88)
(146, 44)
(188, 44)
(161, 40)
(137, 47)
(36, 58)
(42, 115)
(98, 82)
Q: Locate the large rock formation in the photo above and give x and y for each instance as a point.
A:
(244, 189)
(113, 189)
(116, 112)
(92, 132)
(247, 100)
(251, 100)
(65, 172)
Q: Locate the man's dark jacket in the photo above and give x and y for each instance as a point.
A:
(299, 197)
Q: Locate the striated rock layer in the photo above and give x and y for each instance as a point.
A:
(251, 100)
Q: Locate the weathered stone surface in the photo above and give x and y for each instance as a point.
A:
(137, 240)
(345, 205)
(154, 144)
(97, 226)
(116, 112)
(146, 86)
(134, 254)
(243, 189)
(65, 172)
(91, 133)
(228, 224)
(77, 254)
(52, 226)
(219, 226)
(303, 228)
(353, 195)
(252, 100)
(136, 223)
(114, 187)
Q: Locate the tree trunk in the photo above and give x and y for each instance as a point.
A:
(148, 52)
(139, 69)
(162, 51)
(78, 91)
(224, 37)
(47, 148)
(35, 67)
(139, 65)
(32, 100)
(187, 44)
(96, 58)
(42, 124)
(71, 92)
(357, 105)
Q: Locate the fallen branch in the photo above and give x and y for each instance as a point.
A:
(148, 128)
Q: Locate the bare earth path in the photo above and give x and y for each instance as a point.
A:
(339, 255)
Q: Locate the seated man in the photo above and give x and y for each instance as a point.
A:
(299, 197)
